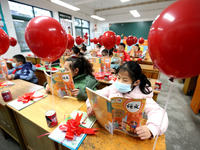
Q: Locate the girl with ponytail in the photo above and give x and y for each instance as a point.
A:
(82, 72)
(131, 83)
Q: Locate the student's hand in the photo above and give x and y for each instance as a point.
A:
(90, 111)
(47, 89)
(75, 92)
(9, 77)
(143, 132)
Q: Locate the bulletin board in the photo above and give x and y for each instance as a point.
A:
(2, 21)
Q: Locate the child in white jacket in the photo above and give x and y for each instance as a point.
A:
(131, 83)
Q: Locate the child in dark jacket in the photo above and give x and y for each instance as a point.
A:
(22, 70)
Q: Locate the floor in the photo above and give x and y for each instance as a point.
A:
(184, 126)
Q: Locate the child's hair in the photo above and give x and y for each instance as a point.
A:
(98, 45)
(104, 51)
(137, 46)
(76, 50)
(135, 73)
(83, 45)
(84, 48)
(20, 58)
(82, 64)
(122, 44)
(110, 52)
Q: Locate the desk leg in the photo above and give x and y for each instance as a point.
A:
(195, 103)
(5, 135)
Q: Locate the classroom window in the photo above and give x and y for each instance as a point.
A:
(22, 14)
(82, 27)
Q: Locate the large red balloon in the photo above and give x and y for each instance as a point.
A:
(109, 39)
(4, 42)
(173, 39)
(70, 41)
(96, 41)
(100, 40)
(130, 40)
(118, 39)
(13, 41)
(91, 40)
(46, 38)
(141, 40)
(79, 40)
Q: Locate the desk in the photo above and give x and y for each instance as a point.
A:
(150, 72)
(147, 62)
(195, 103)
(104, 83)
(34, 60)
(7, 121)
(189, 85)
(32, 123)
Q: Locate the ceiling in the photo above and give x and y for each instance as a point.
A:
(115, 11)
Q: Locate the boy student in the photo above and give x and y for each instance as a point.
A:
(121, 49)
(22, 70)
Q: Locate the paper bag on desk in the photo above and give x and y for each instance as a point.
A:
(117, 113)
(62, 83)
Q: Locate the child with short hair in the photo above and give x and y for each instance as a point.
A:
(22, 70)
(131, 83)
(86, 54)
(76, 51)
(121, 49)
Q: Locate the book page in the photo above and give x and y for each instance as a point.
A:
(127, 114)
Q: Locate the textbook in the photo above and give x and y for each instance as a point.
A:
(62, 83)
(3, 69)
(117, 113)
(101, 64)
(119, 55)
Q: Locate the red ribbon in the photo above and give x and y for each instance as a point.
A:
(71, 127)
(28, 97)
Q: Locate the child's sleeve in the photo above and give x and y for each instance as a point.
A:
(26, 75)
(82, 95)
(154, 114)
(10, 71)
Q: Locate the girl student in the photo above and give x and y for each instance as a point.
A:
(131, 83)
(81, 70)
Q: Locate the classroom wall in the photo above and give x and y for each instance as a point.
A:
(42, 4)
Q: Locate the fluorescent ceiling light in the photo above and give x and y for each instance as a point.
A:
(135, 13)
(97, 17)
(123, 1)
(61, 3)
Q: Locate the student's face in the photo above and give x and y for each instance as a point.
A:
(104, 55)
(123, 77)
(136, 48)
(81, 50)
(121, 48)
(67, 68)
(16, 62)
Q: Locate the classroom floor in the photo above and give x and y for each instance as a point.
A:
(184, 126)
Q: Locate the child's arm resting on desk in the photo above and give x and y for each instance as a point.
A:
(27, 75)
(154, 114)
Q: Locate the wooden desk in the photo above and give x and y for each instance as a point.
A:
(195, 103)
(32, 123)
(146, 62)
(189, 85)
(34, 60)
(103, 140)
(104, 83)
(7, 121)
(150, 72)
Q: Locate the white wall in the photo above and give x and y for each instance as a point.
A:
(42, 4)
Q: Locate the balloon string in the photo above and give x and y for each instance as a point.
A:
(52, 87)
(166, 103)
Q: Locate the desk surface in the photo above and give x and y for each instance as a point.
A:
(118, 141)
(20, 88)
(148, 68)
(144, 61)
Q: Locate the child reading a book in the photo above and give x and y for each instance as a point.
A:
(22, 70)
(81, 70)
(131, 83)
(121, 49)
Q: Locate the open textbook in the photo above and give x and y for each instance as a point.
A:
(117, 113)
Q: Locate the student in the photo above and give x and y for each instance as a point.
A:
(121, 49)
(22, 70)
(131, 83)
(104, 53)
(98, 49)
(137, 51)
(76, 51)
(81, 70)
(86, 54)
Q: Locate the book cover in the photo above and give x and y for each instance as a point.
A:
(62, 83)
(119, 55)
(3, 69)
(117, 113)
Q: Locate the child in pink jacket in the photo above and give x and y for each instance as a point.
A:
(131, 83)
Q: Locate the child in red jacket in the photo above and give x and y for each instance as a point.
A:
(121, 49)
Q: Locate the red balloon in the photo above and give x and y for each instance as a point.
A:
(130, 40)
(96, 41)
(141, 40)
(4, 42)
(79, 40)
(100, 40)
(118, 39)
(70, 41)
(91, 40)
(109, 39)
(173, 39)
(46, 38)
(135, 40)
(13, 41)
